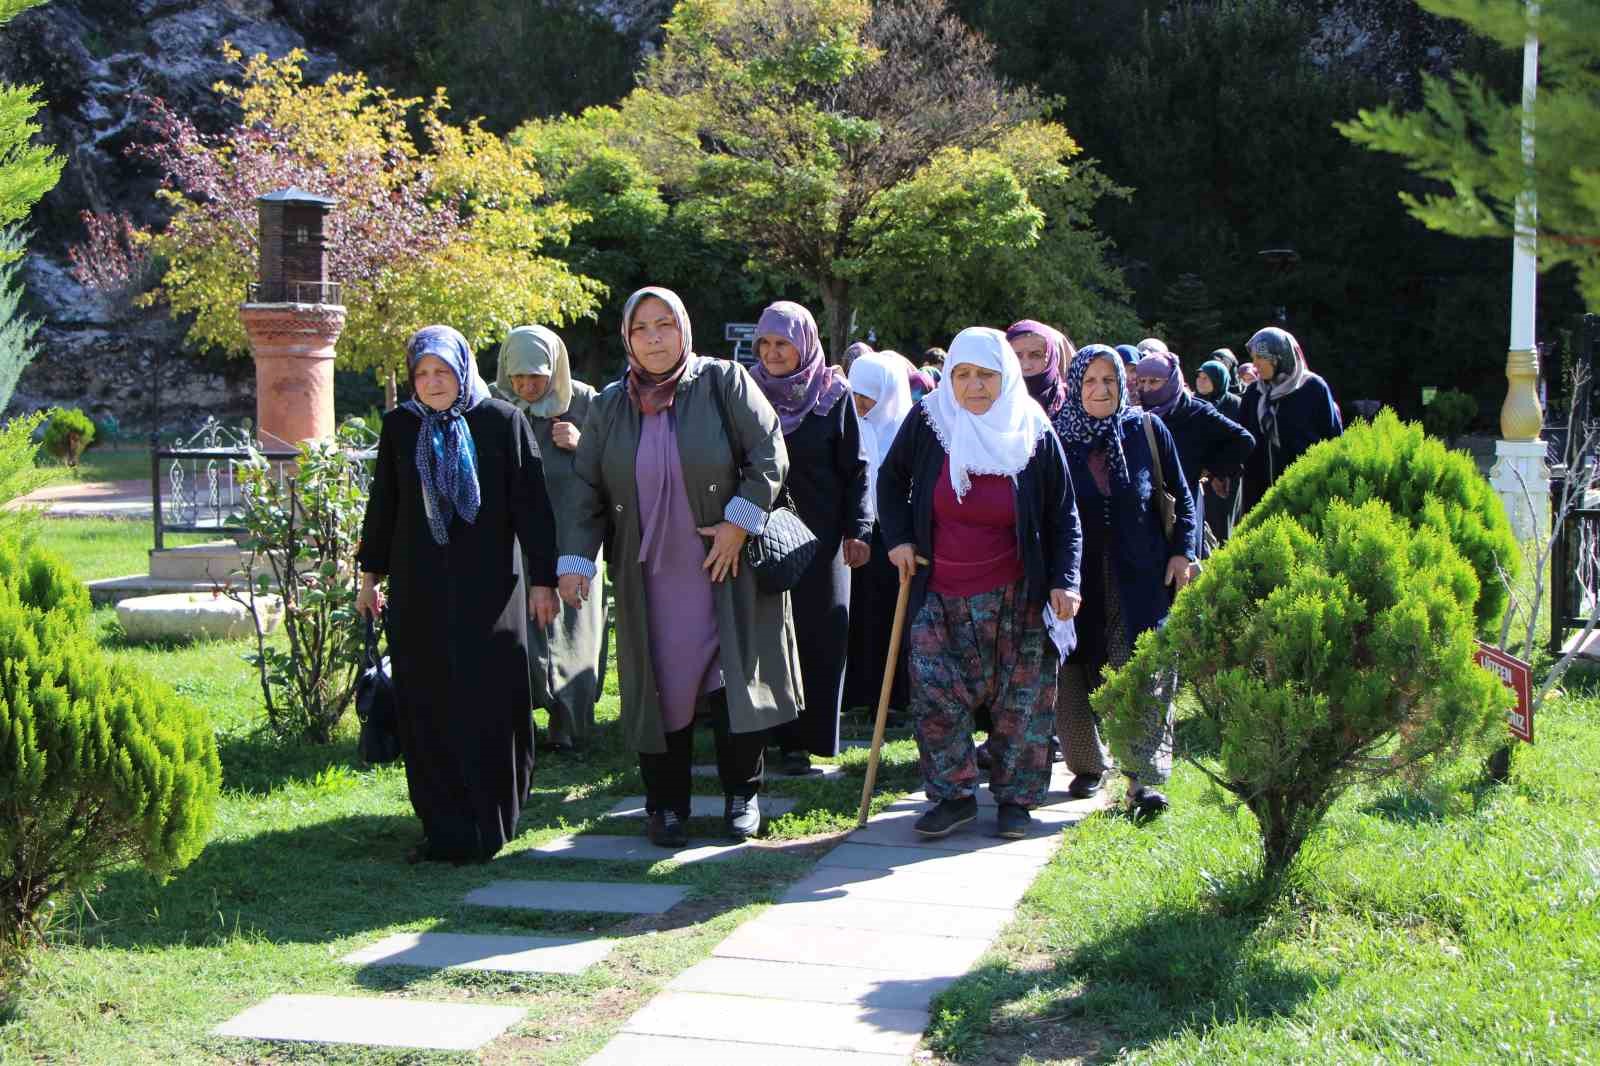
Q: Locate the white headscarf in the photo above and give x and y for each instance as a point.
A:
(880, 377)
(1003, 438)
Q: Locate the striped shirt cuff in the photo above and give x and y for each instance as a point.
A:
(746, 515)
(576, 564)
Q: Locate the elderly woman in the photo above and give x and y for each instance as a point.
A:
(457, 486)
(828, 481)
(1234, 387)
(976, 482)
(1132, 566)
(678, 464)
(1211, 447)
(882, 400)
(1287, 409)
(566, 659)
(1043, 352)
(1214, 383)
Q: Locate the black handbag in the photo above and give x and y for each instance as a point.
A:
(375, 706)
(780, 553)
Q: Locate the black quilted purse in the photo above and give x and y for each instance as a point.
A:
(780, 554)
(375, 707)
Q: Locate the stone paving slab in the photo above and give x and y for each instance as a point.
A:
(473, 951)
(1056, 797)
(704, 807)
(894, 828)
(817, 984)
(890, 857)
(890, 916)
(792, 1023)
(372, 1022)
(907, 954)
(598, 846)
(775, 778)
(604, 897)
(996, 890)
(633, 1049)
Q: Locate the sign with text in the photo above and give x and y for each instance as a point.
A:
(743, 336)
(1517, 676)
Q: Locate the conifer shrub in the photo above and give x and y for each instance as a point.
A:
(99, 765)
(1319, 659)
(68, 434)
(1424, 483)
(1449, 415)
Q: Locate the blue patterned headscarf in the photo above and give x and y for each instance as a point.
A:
(1081, 432)
(447, 459)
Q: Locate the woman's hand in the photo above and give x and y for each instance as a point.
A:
(542, 605)
(1178, 572)
(565, 436)
(574, 589)
(727, 541)
(856, 553)
(904, 558)
(1064, 603)
(370, 600)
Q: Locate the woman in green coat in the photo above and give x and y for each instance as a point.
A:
(567, 659)
(672, 498)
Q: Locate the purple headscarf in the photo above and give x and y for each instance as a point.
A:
(1047, 388)
(1160, 402)
(813, 385)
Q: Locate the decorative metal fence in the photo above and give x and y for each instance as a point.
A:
(194, 487)
(1574, 564)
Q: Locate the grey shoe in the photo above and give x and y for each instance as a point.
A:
(741, 816)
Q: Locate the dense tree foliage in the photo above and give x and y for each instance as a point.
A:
(27, 170)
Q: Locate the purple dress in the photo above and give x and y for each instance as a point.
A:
(685, 643)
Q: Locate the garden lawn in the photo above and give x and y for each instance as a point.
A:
(1461, 926)
(107, 547)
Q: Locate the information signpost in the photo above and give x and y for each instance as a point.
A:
(743, 336)
(1517, 676)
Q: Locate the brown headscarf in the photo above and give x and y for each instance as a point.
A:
(653, 393)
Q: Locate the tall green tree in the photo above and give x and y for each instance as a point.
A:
(17, 345)
(840, 139)
(1469, 136)
(27, 170)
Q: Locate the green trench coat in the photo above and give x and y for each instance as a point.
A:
(759, 656)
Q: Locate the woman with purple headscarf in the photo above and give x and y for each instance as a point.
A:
(1211, 446)
(458, 484)
(828, 480)
(1043, 352)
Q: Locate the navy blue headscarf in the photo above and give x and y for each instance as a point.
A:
(1081, 432)
(447, 459)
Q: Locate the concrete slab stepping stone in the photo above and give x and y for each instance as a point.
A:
(472, 951)
(1023, 864)
(817, 984)
(637, 1049)
(598, 846)
(1055, 799)
(907, 954)
(894, 828)
(975, 888)
(773, 778)
(604, 897)
(704, 807)
(373, 1022)
(890, 916)
(826, 1026)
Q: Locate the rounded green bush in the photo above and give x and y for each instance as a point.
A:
(1423, 482)
(68, 434)
(1450, 414)
(99, 764)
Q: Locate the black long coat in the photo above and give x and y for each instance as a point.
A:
(458, 630)
(1306, 416)
(1208, 442)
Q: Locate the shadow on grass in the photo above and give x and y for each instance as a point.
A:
(1175, 970)
(257, 762)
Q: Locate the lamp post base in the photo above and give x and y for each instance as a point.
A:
(1522, 480)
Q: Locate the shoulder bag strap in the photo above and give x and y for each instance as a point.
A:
(1155, 454)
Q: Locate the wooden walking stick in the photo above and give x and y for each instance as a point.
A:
(895, 633)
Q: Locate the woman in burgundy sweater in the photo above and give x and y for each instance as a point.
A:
(976, 482)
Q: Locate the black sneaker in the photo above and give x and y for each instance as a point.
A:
(1013, 821)
(796, 763)
(741, 816)
(946, 816)
(1147, 802)
(1083, 786)
(667, 830)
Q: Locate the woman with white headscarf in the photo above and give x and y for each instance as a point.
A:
(976, 482)
(566, 659)
(881, 395)
(1287, 409)
(457, 486)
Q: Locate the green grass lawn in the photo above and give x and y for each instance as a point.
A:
(118, 462)
(107, 547)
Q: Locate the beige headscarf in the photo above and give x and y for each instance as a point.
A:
(536, 350)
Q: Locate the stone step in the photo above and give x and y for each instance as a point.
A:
(1023, 865)
(216, 561)
(600, 897)
(810, 982)
(832, 1027)
(475, 951)
(405, 1023)
(639, 1049)
(599, 847)
(912, 955)
(980, 887)
(773, 777)
(889, 916)
(894, 828)
(704, 807)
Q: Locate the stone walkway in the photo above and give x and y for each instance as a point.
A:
(841, 970)
(91, 499)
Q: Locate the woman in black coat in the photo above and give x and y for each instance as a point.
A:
(1221, 500)
(828, 480)
(1287, 410)
(1211, 447)
(458, 483)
